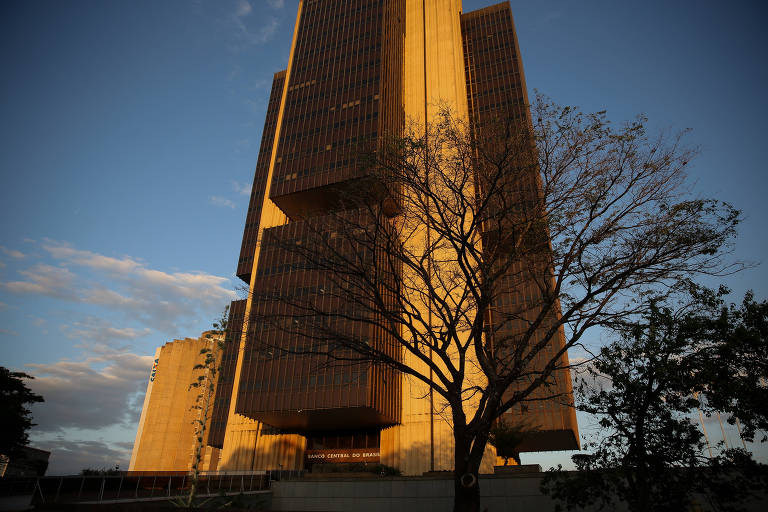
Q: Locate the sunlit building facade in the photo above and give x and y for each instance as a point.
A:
(358, 69)
(166, 436)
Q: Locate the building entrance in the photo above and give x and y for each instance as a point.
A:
(347, 447)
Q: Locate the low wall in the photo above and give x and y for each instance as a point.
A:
(398, 494)
(498, 493)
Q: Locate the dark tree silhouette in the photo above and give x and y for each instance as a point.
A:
(15, 396)
(506, 438)
(646, 387)
(734, 371)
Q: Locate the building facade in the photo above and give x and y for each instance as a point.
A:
(165, 439)
(358, 70)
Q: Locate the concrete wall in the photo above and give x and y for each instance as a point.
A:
(405, 494)
(429, 494)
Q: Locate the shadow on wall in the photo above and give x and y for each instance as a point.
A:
(239, 460)
(266, 451)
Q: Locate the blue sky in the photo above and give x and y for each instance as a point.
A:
(129, 133)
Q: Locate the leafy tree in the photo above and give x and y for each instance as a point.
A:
(16, 417)
(447, 222)
(733, 373)
(644, 388)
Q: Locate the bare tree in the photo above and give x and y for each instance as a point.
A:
(473, 259)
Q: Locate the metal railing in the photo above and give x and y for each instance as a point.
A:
(134, 486)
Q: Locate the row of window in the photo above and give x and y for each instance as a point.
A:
(488, 20)
(370, 103)
(284, 268)
(323, 64)
(313, 20)
(348, 142)
(515, 298)
(301, 292)
(295, 139)
(493, 107)
(354, 42)
(316, 94)
(306, 382)
(312, 5)
(311, 171)
(312, 114)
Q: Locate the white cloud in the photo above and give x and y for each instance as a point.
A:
(154, 298)
(97, 392)
(112, 302)
(43, 279)
(243, 8)
(90, 259)
(13, 253)
(267, 30)
(246, 33)
(276, 4)
(261, 84)
(92, 328)
(70, 457)
(243, 189)
(255, 106)
(222, 201)
(235, 72)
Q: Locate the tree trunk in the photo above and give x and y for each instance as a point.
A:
(466, 484)
(466, 499)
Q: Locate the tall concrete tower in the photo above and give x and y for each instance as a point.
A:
(358, 70)
(165, 440)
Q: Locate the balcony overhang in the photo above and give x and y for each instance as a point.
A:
(342, 195)
(306, 420)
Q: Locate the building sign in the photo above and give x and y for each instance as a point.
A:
(154, 371)
(332, 456)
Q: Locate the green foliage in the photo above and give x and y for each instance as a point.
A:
(16, 417)
(644, 389)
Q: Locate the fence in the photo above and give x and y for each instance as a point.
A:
(131, 486)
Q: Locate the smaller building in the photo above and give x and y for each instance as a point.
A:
(165, 439)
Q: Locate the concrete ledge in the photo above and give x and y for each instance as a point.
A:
(517, 469)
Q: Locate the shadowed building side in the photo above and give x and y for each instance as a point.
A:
(224, 387)
(496, 91)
